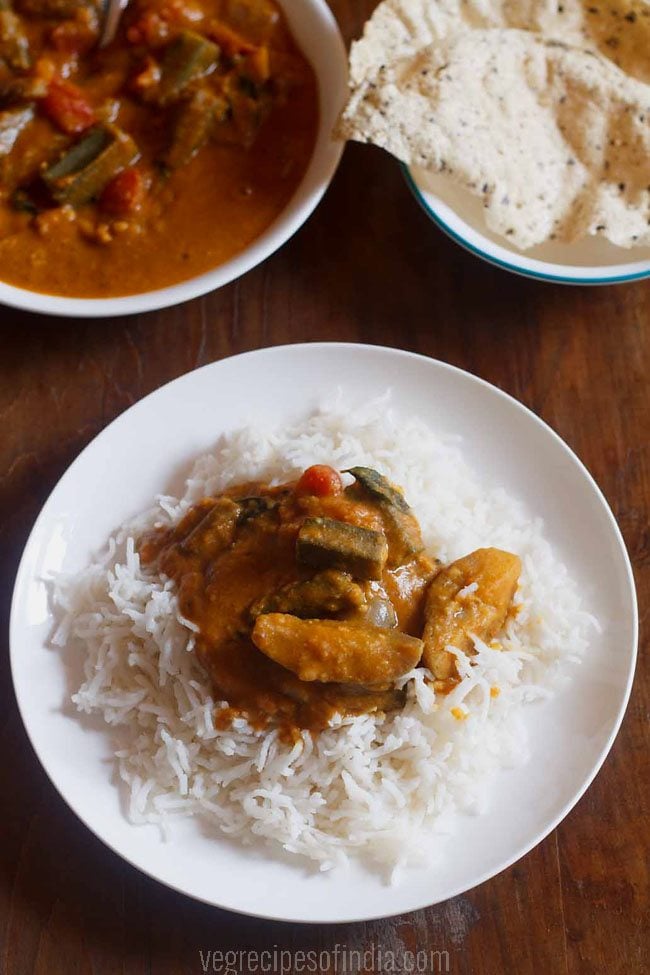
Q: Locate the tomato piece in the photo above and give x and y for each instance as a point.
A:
(67, 106)
(320, 480)
(124, 194)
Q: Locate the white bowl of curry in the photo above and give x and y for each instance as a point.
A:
(167, 164)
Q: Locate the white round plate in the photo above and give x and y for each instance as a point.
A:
(316, 31)
(148, 450)
(460, 215)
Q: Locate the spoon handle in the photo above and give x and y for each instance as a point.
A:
(113, 10)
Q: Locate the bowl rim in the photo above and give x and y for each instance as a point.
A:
(320, 171)
(572, 274)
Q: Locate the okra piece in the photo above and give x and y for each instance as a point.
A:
(187, 58)
(193, 126)
(379, 487)
(403, 534)
(83, 172)
(12, 123)
(335, 650)
(81, 154)
(401, 526)
(325, 543)
(14, 44)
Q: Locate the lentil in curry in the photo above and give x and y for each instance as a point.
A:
(157, 158)
(313, 599)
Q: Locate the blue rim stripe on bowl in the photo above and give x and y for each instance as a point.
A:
(524, 272)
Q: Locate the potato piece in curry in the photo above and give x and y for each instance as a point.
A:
(469, 598)
(313, 599)
(144, 163)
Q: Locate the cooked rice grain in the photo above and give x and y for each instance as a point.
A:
(382, 788)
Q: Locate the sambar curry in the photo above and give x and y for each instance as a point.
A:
(135, 166)
(312, 598)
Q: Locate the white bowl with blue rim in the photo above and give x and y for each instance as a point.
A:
(460, 215)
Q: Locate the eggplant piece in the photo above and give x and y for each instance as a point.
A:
(379, 611)
(18, 90)
(23, 202)
(325, 543)
(187, 58)
(85, 169)
(353, 698)
(215, 532)
(23, 167)
(326, 594)
(249, 105)
(335, 650)
(254, 506)
(470, 597)
(400, 524)
(14, 43)
(193, 126)
(12, 122)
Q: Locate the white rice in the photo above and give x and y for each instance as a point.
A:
(380, 788)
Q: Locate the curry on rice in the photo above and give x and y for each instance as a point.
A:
(311, 598)
(219, 629)
(144, 163)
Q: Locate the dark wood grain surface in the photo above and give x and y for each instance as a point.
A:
(367, 267)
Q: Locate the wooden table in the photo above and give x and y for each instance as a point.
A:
(367, 267)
